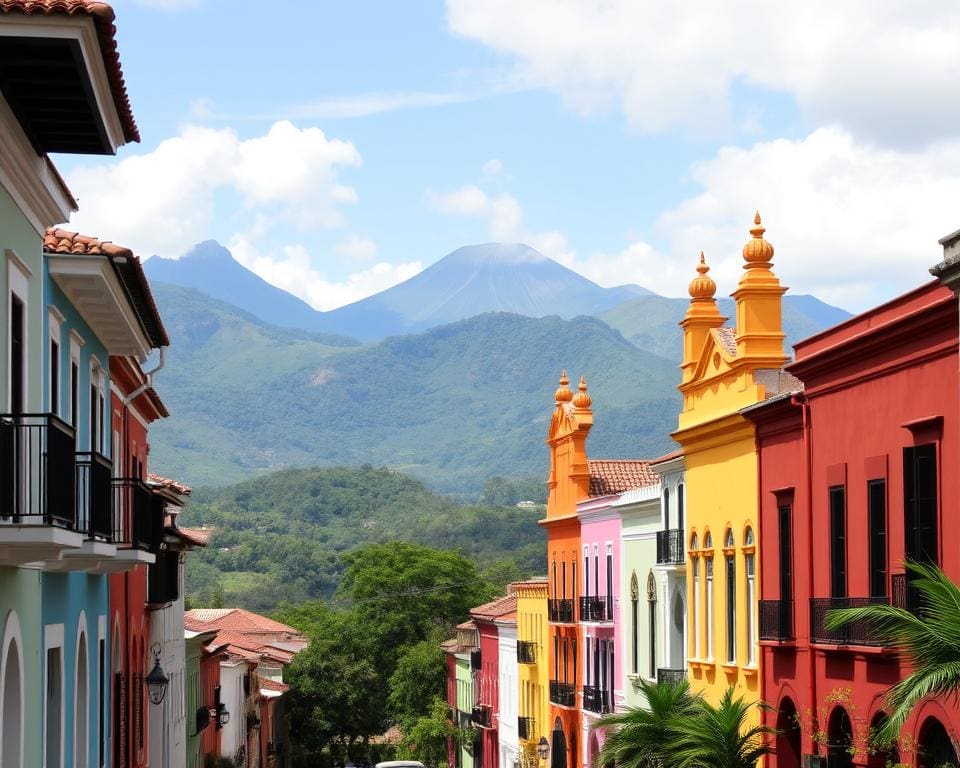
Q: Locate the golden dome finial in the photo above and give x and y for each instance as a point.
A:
(702, 287)
(757, 251)
(563, 393)
(582, 399)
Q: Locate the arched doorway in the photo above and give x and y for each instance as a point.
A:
(934, 746)
(881, 757)
(678, 643)
(839, 739)
(11, 712)
(558, 749)
(788, 735)
(81, 716)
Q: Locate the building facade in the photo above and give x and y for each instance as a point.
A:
(862, 456)
(508, 688)
(533, 675)
(671, 573)
(485, 664)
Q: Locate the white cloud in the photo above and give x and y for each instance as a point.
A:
(357, 248)
(165, 200)
(880, 67)
(493, 167)
(291, 268)
(502, 212)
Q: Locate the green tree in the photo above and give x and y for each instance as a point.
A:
(427, 739)
(416, 683)
(643, 737)
(929, 639)
(719, 736)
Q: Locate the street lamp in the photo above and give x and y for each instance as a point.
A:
(543, 748)
(157, 680)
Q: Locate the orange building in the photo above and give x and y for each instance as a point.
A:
(569, 483)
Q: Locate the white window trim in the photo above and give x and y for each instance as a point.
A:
(53, 637)
(76, 342)
(54, 321)
(12, 635)
(97, 380)
(18, 282)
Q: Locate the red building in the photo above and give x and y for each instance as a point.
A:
(486, 682)
(857, 473)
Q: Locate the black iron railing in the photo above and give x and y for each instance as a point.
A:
(563, 693)
(596, 699)
(482, 716)
(851, 633)
(93, 503)
(164, 580)
(903, 594)
(137, 515)
(561, 611)
(596, 608)
(526, 728)
(670, 676)
(526, 652)
(475, 660)
(37, 470)
(670, 546)
(776, 619)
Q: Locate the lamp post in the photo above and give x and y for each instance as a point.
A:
(157, 680)
(543, 748)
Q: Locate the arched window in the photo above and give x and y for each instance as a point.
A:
(882, 756)
(695, 566)
(11, 695)
(731, 595)
(652, 611)
(788, 735)
(635, 618)
(751, 607)
(839, 739)
(81, 717)
(708, 575)
(680, 493)
(934, 746)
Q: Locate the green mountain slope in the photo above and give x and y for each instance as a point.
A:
(279, 537)
(454, 405)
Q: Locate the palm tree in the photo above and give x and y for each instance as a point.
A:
(929, 639)
(719, 736)
(643, 737)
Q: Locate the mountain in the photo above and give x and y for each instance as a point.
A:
(653, 322)
(453, 405)
(495, 277)
(211, 268)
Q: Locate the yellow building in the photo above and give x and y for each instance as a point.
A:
(724, 370)
(532, 668)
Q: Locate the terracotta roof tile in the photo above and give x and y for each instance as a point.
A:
(450, 646)
(273, 685)
(667, 457)
(495, 609)
(237, 619)
(195, 535)
(166, 482)
(103, 18)
(610, 476)
(728, 340)
(128, 268)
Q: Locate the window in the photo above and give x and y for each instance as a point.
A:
(877, 513)
(920, 502)
(609, 592)
(838, 541)
(751, 599)
(652, 610)
(785, 515)
(635, 616)
(731, 578)
(695, 565)
(680, 489)
(74, 392)
(586, 570)
(18, 352)
(708, 566)
(102, 701)
(596, 573)
(54, 376)
(666, 509)
(53, 706)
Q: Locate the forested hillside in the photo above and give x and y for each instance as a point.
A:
(281, 537)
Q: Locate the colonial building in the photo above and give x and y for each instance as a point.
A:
(508, 690)
(533, 680)
(485, 664)
(725, 369)
(671, 573)
(858, 473)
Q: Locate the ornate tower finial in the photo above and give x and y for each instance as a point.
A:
(582, 399)
(757, 252)
(702, 287)
(563, 393)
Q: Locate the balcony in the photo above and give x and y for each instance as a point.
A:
(137, 521)
(563, 694)
(670, 547)
(596, 609)
(526, 652)
(526, 728)
(776, 619)
(854, 633)
(94, 505)
(596, 699)
(482, 716)
(666, 676)
(902, 594)
(38, 514)
(560, 611)
(163, 584)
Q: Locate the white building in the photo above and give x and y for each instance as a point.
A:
(508, 692)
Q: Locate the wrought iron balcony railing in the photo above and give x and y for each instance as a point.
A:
(137, 515)
(596, 608)
(563, 693)
(852, 633)
(776, 619)
(561, 611)
(163, 582)
(482, 716)
(526, 728)
(37, 470)
(670, 547)
(526, 652)
(670, 676)
(597, 699)
(903, 594)
(93, 502)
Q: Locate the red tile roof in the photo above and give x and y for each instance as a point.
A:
(128, 268)
(667, 457)
(103, 18)
(237, 619)
(273, 685)
(610, 476)
(166, 482)
(495, 609)
(195, 536)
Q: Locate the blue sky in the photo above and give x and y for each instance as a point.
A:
(609, 134)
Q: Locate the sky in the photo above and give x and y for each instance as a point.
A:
(338, 148)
